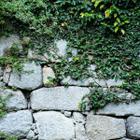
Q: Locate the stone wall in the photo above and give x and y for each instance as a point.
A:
(40, 110)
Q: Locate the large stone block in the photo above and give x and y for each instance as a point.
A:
(133, 127)
(30, 78)
(104, 128)
(54, 126)
(15, 100)
(121, 109)
(16, 123)
(58, 98)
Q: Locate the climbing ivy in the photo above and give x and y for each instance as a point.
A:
(105, 33)
(98, 98)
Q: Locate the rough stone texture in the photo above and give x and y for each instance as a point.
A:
(16, 123)
(91, 81)
(48, 76)
(29, 79)
(52, 54)
(31, 135)
(2, 84)
(61, 46)
(104, 128)
(7, 42)
(33, 54)
(79, 118)
(58, 98)
(6, 74)
(125, 95)
(80, 132)
(15, 99)
(54, 126)
(67, 113)
(133, 127)
(121, 109)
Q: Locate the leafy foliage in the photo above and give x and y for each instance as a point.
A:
(98, 99)
(12, 58)
(110, 14)
(105, 33)
(2, 107)
(4, 136)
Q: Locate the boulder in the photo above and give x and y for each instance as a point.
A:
(30, 78)
(15, 100)
(53, 125)
(61, 46)
(133, 127)
(16, 123)
(58, 98)
(104, 128)
(121, 109)
(91, 82)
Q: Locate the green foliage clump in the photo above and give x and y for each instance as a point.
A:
(105, 33)
(2, 107)
(111, 14)
(12, 58)
(4, 136)
(98, 99)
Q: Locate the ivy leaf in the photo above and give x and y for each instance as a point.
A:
(122, 31)
(97, 2)
(116, 29)
(107, 13)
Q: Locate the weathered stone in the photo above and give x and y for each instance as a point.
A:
(67, 113)
(104, 128)
(125, 95)
(6, 74)
(121, 109)
(113, 82)
(29, 79)
(91, 81)
(54, 126)
(80, 132)
(58, 98)
(74, 51)
(7, 42)
(92, 67)
(16, 123)
(69, 81)
(61, 46)
(31, 135)
(15, 99)
(2, 84)
(48, 76)
(79, 118)
(52, 54)
(133, 127)
(34, 55)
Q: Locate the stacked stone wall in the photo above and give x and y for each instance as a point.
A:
(38, 111)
